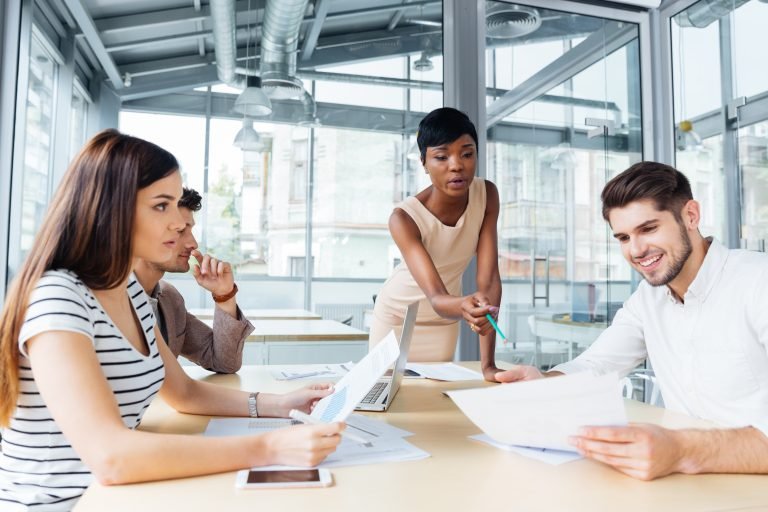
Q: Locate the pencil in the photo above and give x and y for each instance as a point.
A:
(493, 323)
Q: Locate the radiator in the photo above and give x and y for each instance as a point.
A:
(339, 312)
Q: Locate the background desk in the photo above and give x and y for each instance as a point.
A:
(461, 474)
(263, 314)
(303, 341)
(560, 339)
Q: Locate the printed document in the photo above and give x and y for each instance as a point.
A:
(358, 382)
(543, 413)
(445, 371)
(387, 443)
(370, 429)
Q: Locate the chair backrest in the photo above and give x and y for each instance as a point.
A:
(635, 380)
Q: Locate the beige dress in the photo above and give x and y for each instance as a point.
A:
(451, 249)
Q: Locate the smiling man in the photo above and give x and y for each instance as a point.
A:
(219, 349)
(700, 317)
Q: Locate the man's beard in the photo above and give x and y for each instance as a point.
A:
(676, 263)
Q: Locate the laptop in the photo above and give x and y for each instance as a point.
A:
(383, 392)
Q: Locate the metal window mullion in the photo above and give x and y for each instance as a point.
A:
(206, 159)
(309, 191)
(464, 89)
(10, 49)
(62, 112)
(19, 135)
(731, 168)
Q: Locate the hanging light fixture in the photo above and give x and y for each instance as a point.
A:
(252, 101)
(247, 138)
(423, 63)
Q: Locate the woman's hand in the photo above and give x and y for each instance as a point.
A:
(474, 308)
(490, 372)
(302, 445)
(519, 373)
(303, 399)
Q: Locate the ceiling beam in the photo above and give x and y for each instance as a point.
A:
(178, 81)
(116, 24)
(594, 48)
(153, 41)
(91, 34)
(310, 40)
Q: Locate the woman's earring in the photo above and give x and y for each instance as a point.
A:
(426, 171)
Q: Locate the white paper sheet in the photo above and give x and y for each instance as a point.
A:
(553, 457)
(444, 371)
(387, 443)
(311, 371)
(358, 382)
(363, 426)
(543, 413)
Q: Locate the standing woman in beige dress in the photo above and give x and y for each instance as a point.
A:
(438, 231)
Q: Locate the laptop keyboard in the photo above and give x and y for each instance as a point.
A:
(375, 392)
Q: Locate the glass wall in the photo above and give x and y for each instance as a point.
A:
(78, 119)
(321, 188)
(37, 142)
(721, 115)
(698, 95)
(563, 104)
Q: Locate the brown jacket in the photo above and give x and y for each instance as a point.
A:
(219, 349)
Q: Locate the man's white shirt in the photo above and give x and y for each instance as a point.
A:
(710, 352)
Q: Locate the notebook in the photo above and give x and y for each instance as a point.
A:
(383, 392)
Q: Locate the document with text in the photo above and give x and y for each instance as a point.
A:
(543, 413)
(386, 443)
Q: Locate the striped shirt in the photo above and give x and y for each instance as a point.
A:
(39, 469)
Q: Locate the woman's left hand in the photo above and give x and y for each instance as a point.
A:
(304, 399)
(474, 308)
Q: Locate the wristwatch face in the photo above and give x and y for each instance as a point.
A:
(252, 405)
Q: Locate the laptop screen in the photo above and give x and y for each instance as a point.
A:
(405, 343)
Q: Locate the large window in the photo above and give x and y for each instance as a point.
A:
(357, 158)
(564, 116)
(38, 141)
(78, 119)
(720, 115)
(697, 93)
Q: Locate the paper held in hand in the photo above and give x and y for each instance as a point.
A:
(544, 413)
(358, 382)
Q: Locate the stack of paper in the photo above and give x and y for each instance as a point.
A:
(543, 413)
(387, 443)
(308, 371)
(553, 457)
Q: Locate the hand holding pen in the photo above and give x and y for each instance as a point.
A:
(480, 315)
(311, 420)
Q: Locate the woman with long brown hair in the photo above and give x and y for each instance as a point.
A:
(82, 359)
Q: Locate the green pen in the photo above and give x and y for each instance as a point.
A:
(493, 323)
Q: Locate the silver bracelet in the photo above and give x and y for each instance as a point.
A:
(253, 412)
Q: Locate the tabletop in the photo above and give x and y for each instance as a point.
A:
(460, 474)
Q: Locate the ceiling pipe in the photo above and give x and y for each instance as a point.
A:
(279, 46)
(225, 43)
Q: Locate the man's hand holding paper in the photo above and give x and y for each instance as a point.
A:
(544, 413)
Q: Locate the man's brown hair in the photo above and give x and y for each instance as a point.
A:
(191, 200)
(667, 187)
